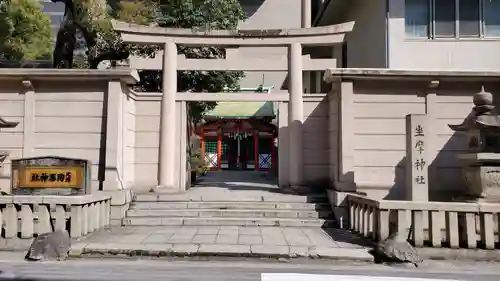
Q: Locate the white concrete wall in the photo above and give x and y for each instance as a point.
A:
(11, 140)
(270, 14)
(129, 133)
(358, 129)
(379, 134)
(316, 160)
(470, 54)
(376, 126)
(54, 122)
(69, 124)
(69, 118)
(333, 135)
(118, 131)
(366, 44)
(145, 144)
(75, 114)
(145, 147)
(379, 41)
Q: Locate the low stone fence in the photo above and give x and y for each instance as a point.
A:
(433, 224)
(23, 216)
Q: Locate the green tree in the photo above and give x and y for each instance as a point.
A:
(193, 14)
(205, 15)
(25, 31)
(96, 17)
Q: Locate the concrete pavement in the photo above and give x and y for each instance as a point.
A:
(275, 242)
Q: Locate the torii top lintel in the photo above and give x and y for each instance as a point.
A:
(315, 36)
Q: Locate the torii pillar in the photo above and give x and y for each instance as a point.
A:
(167, 147)
(295, 114)
(293, 39)
(306, 13)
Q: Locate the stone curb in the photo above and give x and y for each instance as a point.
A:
(80, 250)
(459, 254)
(183, 250)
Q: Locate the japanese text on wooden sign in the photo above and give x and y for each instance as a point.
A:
(50, 177)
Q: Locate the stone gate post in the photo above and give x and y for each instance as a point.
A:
(295, 113)
(166, 159)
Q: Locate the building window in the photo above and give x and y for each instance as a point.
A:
(445, 18)
(417, 18)
(469, 18)
(491, 18)
(452, 18)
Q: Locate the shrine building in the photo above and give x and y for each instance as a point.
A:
(240, 135)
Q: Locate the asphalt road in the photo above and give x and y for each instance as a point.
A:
(241, 270)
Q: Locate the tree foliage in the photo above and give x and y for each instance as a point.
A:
(96, 16)
(205, 15)
(25, 31)
(192, 14)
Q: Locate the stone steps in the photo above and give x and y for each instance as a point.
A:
(229, 221)
(231, 197)
(230, 208)
(219, 205)
(235, 213)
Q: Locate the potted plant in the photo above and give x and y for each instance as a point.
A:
(197, 166)
(203, 169)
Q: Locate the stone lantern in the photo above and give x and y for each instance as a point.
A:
(482, 159)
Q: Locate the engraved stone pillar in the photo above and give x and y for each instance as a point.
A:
(295, 113)
(166, 159)
(417, 181)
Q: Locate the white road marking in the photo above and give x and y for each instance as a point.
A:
(320, 277)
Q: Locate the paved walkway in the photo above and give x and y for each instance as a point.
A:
(273, 242)
(235, 178)
(227, 185)
(256, 241)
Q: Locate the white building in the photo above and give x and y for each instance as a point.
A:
(56, 13)
(419, 34)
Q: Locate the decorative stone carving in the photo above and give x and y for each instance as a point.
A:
(484, 181)
(482, 160)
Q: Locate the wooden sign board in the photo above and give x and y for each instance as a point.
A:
(50, 176)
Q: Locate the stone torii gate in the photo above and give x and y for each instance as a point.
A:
(293, 39)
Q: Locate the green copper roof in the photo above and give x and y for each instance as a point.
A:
(228, 109)
(257, 109)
